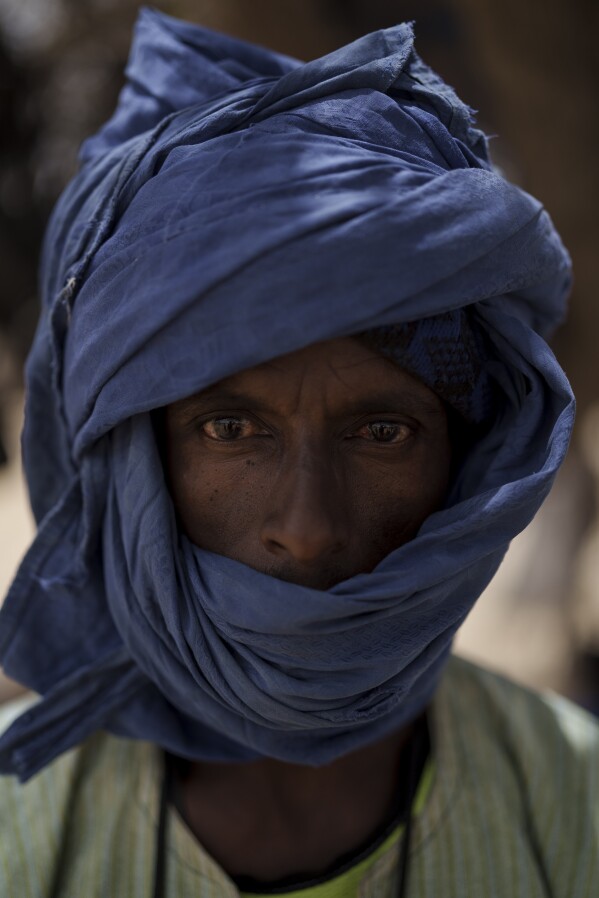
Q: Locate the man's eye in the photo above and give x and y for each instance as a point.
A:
(385, 432)
(228, 429)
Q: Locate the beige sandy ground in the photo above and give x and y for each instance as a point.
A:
(518, 633)
(16, 525)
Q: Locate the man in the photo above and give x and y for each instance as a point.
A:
(288, 403)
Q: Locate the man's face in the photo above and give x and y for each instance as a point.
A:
(312, 467)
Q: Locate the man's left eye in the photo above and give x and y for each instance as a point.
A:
(385, 432)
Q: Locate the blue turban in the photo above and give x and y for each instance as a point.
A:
(447, 353)
(238, 206)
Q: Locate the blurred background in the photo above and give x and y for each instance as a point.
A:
(530, 66)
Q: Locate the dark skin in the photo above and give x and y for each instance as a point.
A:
(310, 468)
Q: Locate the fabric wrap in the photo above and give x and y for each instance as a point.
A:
(241, 205)
(447, 353)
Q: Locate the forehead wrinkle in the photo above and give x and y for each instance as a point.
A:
(406, 383)
(253, 386)
(338, 370)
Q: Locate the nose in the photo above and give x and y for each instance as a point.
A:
(307, 521)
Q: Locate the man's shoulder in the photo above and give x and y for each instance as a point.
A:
(92, 759)
(506, 740)
(518, 772)
(482, 696)
(92, 788)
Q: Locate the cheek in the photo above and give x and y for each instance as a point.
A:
(390, 508)
(217, 506)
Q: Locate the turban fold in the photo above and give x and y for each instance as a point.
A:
(447, 353)
(238, 206)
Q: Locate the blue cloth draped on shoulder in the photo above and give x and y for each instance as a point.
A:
(238, 206)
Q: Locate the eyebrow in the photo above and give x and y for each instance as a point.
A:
(386, 401)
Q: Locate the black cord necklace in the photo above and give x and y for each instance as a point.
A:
(414, 770)
(160, 862)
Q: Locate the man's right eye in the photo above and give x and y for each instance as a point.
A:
(228, 429)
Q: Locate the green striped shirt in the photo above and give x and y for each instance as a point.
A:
(512, 811)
